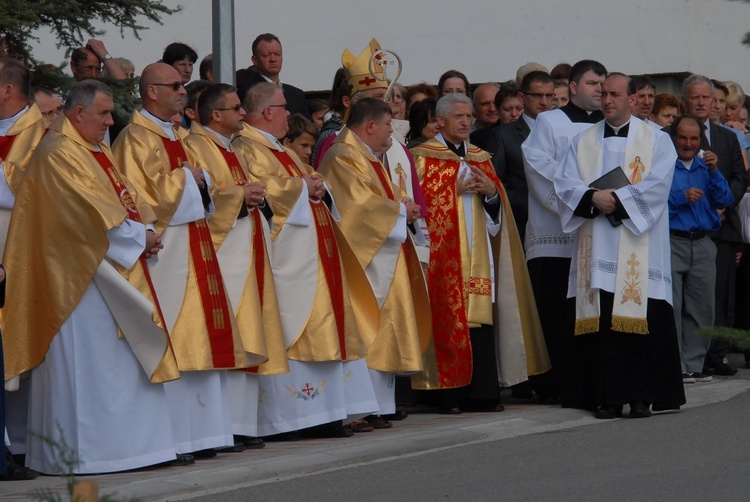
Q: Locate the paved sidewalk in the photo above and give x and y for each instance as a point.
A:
(419, 433)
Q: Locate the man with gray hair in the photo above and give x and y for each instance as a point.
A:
(476, 288)
(719, 142)
(96, 392)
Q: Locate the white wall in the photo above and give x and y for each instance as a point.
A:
(484, 39)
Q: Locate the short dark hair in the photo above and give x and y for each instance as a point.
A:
(507, 90)
(583, 66)
(15, 73)
(535, 77)
(213, 96)
(679, 119)
(263, 37)
(453, 74)
(316, 105)
(421, 113)
(40, 90)
(299, 125)
(207, 65)
(79, 55)
(718, 84)
(367, 109)
(177, 51)
(638, 82)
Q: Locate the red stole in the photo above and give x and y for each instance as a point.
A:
(127, 202)
(210, 282)
(6, 142)
(328, 250)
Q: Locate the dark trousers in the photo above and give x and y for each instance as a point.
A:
(726, 282)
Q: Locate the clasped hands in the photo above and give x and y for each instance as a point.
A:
(255, 193)
(153, 244)
(478, 182)
(197, 173)
(315, 186)
(413, 211)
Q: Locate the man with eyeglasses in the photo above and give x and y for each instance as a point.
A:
(187, 277)
(88, 61)
(21, 128)
(240, 233)
(333, 318)
(49, 102)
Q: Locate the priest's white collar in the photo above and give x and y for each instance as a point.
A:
(270, 137)
(7, 124)
(226, 142)
(366, 145)
(165, 126)
(617, 129)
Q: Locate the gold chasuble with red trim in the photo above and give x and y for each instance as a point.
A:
(71, 197)
(242, 248)
(370, 206)
(460, 277)
(336, 316)
(202, 326)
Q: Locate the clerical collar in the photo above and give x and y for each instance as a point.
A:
(7, 124)
(459, 149)
(577, 114)
(529, 121)
(226, 142)
(619, 131)
(274, 141)
(167, 127)
(368, 146)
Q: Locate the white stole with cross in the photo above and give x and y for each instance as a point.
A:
(631, 283)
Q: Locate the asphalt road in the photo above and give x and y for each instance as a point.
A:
(699, 454)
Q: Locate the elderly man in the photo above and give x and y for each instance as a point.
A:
(268, 59)
(88, 61)
(376, 216)
(241, 247)
(698, 97)
(485, 112)
(50, 103)
(188, 278)
(473, 286)
(329, 315)
(548, 248)
(698, 190)
(91, 390)
(625, 342)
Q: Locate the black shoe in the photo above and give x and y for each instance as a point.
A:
(723, 369)
(249, 442)
(449, 408)
(708, 370)
(182, 460)
(17, 472)
(283, 436)
(639, 410)
(201, 454)
(549, 400)
(399, 415)
(237, 448)
(608, 412)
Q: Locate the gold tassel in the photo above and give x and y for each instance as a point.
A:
(630, 325)
(588, 325)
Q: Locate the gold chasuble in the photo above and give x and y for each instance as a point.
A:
(202, 327)
(370, 206)
(70, 197)
(242, 248)
(328, 309)
(460, 278)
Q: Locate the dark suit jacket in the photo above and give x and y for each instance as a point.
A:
(295, 97)
(505, 143)
(481, 137)
(725, 145)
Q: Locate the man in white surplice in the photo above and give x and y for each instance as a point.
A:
(621, 274)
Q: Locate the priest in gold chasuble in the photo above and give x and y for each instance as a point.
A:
(242, 248)
(85, 319)
(486, 331)
(328, 313)
(187, 277)
(376, 216)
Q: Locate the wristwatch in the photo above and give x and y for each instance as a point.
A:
(107, 57)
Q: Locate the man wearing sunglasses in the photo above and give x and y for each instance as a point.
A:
(187, 277)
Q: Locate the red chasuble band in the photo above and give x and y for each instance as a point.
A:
(210, 282)
(6, 142)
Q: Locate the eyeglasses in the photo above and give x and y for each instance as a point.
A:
(174, 85)
(54, 112)
(539, 95)
(284, 106)
(235, 108)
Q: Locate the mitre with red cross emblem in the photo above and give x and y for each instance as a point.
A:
(358, 69)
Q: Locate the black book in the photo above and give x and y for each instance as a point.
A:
(614, 179)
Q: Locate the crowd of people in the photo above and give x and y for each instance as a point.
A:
(236, 264)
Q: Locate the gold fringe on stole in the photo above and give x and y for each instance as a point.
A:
(629, 325)
(587, 325)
